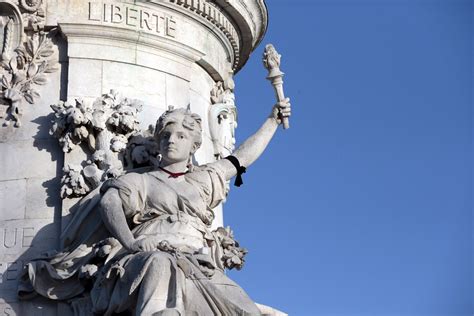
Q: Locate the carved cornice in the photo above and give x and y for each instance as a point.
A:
(243, 22)
(251, 20)
(214, 15)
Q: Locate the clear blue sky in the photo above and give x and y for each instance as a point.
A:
(363, 207)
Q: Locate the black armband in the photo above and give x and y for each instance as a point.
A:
(240, 170)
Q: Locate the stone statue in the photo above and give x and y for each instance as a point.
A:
(142, 243)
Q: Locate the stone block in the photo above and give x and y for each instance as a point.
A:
(151, 91)
(205, 154)
(105, 47)
(85, 78)
(200, 105)
(42, 198)
(163, 61)
(177, 92)
(30, 159)
(12, 199)
(201, 83)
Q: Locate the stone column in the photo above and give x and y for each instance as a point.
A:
(159, 52)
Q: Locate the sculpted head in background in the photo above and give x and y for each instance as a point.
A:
(179, 135)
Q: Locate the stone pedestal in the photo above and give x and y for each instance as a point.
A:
(159, 52)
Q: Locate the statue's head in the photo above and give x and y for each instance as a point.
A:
(179, 134)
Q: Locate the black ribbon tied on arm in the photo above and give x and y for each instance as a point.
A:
(240, 170)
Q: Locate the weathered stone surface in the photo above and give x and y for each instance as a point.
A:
(27, 237)
(43, 199)
(84, 78)
(10, 208)
(162, 53)
(29, 159)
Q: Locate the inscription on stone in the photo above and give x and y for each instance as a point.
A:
(131, 16)
(14, 237)
(9, 271)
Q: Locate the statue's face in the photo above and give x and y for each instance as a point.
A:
(176, 143)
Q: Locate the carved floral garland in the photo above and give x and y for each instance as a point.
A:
(106, 127)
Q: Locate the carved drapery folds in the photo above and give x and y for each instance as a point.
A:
(26, 57)
(107, 127)
(223, 118)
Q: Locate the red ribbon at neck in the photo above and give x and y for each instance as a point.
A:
(173, 174)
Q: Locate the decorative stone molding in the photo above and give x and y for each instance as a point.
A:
(106, 127)
(11, 29)
(26, 57)
(250, 19)
(236, 19)
(30, 5)
(214, 14)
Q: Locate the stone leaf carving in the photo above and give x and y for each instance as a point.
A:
(233, 255)
(74, 183)
(105, 126)
(25, 66)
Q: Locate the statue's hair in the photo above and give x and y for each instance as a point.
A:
(189, 120)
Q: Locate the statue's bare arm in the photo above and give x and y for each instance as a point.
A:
(114, 219)
(254, 146)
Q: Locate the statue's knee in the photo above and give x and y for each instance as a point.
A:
(160, 261)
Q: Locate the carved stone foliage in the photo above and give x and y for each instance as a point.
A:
(232, 254)
(106, 127)
(223, 118)
(26, 57)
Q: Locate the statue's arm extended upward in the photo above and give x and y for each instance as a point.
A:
(254, 146)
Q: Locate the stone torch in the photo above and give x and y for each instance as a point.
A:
(271, 61)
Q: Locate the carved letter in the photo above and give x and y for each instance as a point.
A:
(94, 11)
(28, 234)
(145, 20)
(132, 16)
(5, 243)
(12, 270)
(116, 15)
(157, 23)
(170, 27)
(106, 13)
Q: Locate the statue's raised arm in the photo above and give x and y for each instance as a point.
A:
(253, 147)
(249, 151)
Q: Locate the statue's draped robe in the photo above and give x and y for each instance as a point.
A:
(153, 206)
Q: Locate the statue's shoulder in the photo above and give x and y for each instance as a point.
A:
(135, 174)
(133, 179)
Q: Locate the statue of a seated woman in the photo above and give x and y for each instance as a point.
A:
(142, 243)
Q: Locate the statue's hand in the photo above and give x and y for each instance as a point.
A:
(281, 110)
